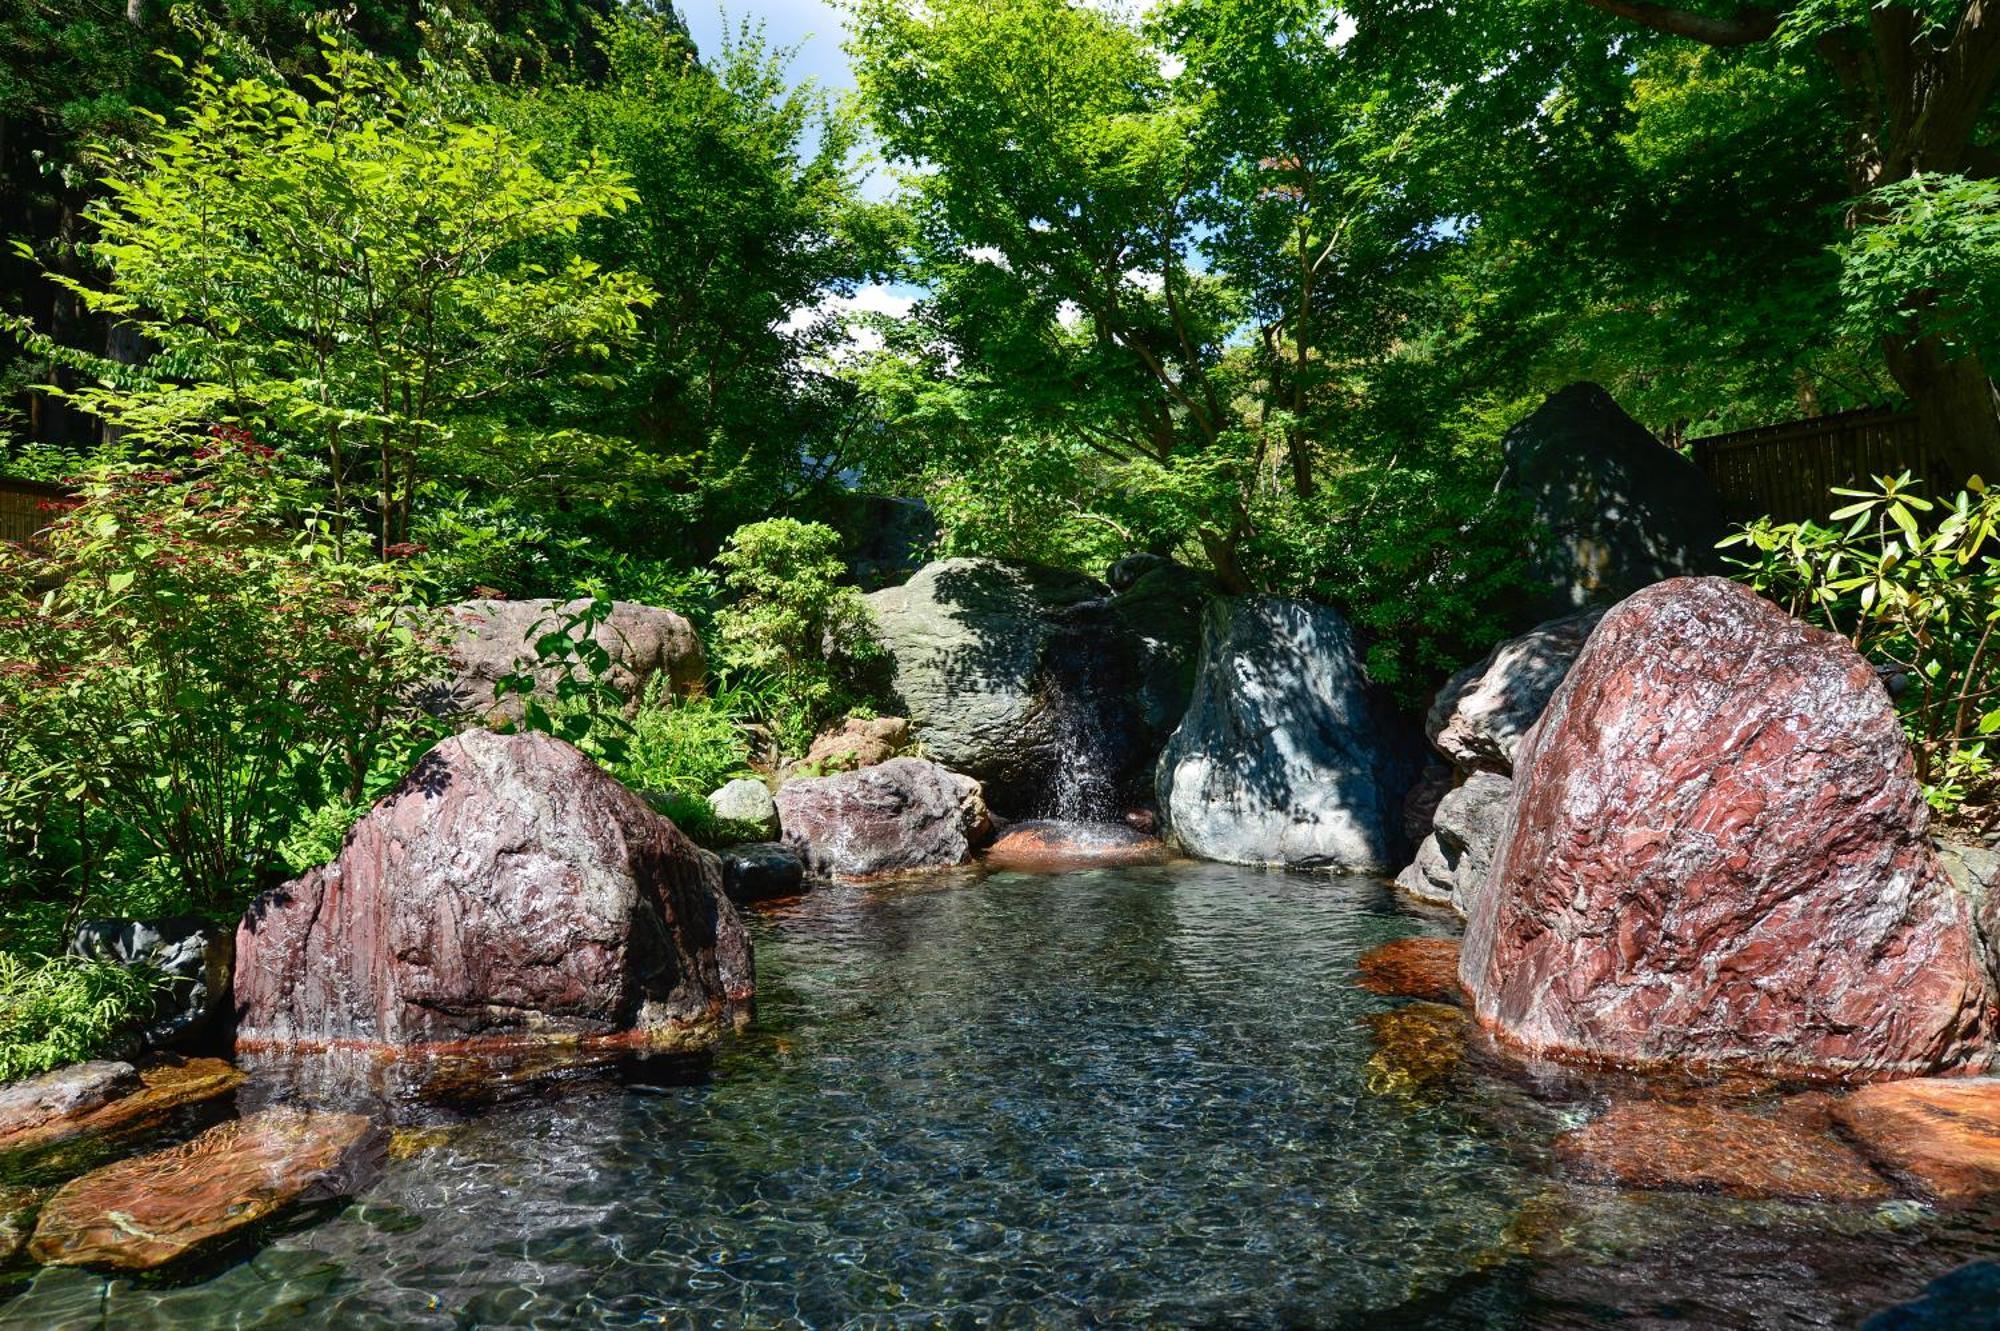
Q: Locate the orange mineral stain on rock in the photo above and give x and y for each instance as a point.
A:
(162, 1086)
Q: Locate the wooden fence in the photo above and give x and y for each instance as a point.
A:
(24, 508)
(1786, 470)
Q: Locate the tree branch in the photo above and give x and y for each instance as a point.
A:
(1744, 27)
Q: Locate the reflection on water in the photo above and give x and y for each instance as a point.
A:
(1121, 1097)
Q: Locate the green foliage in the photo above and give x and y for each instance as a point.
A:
(689, 745)
(566, 690)
(748, 218)
(182, 679)
(794, 622)
(59, 1010)
(1912, 583)
(368, 278)
(1928, 264)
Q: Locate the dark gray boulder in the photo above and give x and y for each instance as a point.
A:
(1035, 680)
(905, 815)
(1288, 755)
(1479, 716)
(194, 956)
(1618, 509)
(760, 870)
(1452, 862)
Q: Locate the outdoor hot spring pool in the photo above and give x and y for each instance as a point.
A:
(1116, 1097)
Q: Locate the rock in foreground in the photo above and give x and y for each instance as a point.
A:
(1287, 755)
(89, 1105)
(143, 1213)
(895, 817)
(1051, 845)
(1718, 855)
(1710, 1148)
(509, 887)
(1943, 1134)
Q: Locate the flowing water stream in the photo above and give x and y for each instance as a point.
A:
(1135, 1097)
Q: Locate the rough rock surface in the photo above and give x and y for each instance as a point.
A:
(1453, 861)
(492, 639)
(761, 870)
(1424, 968)
(902, 815)
(1481, 714)
(108, 1103)
(746, 801)
(195, 957)
(1049, 845)
(1620, 510)
(145, 1212)
(1287, 754)
(28, 1107)
(856, 743)
(1718, 855)
(1014, 673)
(17, 1219)
(1943, 1134)
(1712, 1148)
(509, 887)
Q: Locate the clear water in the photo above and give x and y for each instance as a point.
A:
(1111, 1098)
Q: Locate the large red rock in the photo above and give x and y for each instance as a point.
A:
(508, 888)
(87, 1108)
(1717, 854)
(145, 1212)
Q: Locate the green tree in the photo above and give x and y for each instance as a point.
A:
(359, 273)
(747, 215)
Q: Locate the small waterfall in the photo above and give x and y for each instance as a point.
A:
(1086, 711)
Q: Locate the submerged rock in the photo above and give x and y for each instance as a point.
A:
(508, 888)
(1417, 1048)
(1718, 855)
(746, 802)
(17, 1219)
(1424, 968)
(1711, 1148)
(1618, 509)
(1943, 1134)
(1287, 755)
(146, 1212)
(28, 1108)
(902, 815)
(492, 639)
(1049, 844)
(1453, 861)
(761, 870)
(194, 956)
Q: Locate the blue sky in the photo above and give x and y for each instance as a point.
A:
(813, 27)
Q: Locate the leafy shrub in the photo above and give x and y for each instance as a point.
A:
(686, 745)
(794, 621)
(59, 1010)
(195, 677)
(1912, 584)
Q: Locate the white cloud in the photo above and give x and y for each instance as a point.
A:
(872, 299)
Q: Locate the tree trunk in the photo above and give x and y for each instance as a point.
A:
(1958, 414)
